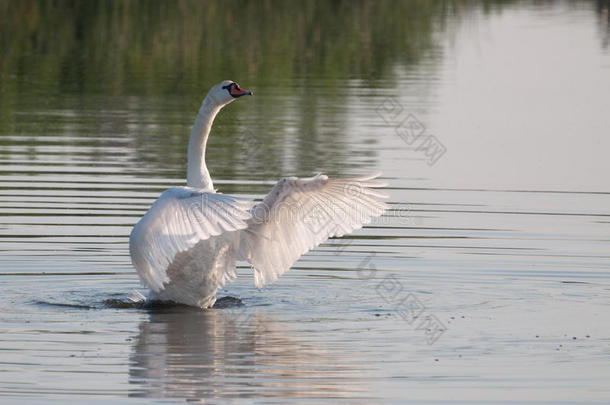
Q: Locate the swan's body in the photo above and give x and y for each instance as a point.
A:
(186, 245)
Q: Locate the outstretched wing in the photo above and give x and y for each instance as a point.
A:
(299, 214)
(181, 217)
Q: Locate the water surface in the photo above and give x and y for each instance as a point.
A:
(489, 121)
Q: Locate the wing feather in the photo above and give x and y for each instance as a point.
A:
(177, 221)
(299, 214)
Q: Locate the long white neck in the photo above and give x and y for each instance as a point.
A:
(197, 174)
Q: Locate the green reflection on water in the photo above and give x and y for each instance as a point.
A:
(141, 68)
(143, 47)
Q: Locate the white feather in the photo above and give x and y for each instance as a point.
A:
(299, 214)
(181, 218)
(185, 246)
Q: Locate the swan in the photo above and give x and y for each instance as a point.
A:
(185, 247)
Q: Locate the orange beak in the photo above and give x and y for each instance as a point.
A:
(237, 91)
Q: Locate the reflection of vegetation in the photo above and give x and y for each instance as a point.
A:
(154, 60)
(78, 54)
(603, 8)
(167, 47)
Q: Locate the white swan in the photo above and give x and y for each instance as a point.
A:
(184, 248)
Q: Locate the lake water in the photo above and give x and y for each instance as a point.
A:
(487, 281)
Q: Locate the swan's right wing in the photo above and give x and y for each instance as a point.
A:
(177, 221)
(299, 214)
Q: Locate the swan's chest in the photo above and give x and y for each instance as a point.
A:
(195, 275)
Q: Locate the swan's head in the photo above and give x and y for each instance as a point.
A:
(225, 92)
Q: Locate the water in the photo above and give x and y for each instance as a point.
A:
(497, 237)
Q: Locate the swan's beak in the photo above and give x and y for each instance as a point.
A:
(236, 91)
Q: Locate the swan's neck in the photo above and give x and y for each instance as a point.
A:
(197, 174)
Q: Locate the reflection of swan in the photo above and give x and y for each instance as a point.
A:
(186, 245)
(203, 355)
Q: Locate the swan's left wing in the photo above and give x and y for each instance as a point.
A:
(299, 214)
(181, 217)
